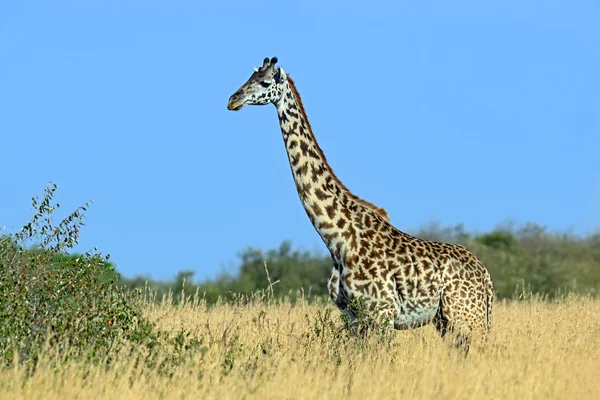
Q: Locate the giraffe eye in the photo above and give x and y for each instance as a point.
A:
(266, 84)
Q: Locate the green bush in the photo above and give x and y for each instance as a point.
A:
(51, 298)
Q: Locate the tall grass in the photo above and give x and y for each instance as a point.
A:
(68, 331)
(258, 348)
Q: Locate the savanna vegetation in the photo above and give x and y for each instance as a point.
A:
(520, 259)
(71, 327)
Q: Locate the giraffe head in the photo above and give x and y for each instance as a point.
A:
(264, 86)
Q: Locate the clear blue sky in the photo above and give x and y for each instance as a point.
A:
(461, 112)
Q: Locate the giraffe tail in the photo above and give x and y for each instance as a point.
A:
(489, 294)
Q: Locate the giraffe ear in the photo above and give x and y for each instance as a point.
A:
(280, 75)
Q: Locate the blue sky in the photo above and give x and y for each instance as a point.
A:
(461, 112)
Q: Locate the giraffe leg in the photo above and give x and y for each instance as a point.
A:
(333, 283)
(460, 340)
(440, 321)
(459, 318)
(463, 309)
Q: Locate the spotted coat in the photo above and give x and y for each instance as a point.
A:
(401, 278)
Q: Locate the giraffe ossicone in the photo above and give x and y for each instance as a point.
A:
(400, 278)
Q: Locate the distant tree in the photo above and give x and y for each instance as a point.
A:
(294, 269)
(497, 240)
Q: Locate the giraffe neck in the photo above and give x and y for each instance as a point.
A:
(330, 206)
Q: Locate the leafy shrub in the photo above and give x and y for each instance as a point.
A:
(51, 298)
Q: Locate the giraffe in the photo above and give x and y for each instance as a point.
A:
(402, 280)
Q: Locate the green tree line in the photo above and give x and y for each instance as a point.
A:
(524, 259)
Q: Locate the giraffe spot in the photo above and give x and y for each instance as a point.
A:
(326, 225)
(373, 272)
(404, 259)
(347, 279)
(330, 210)
(375, 253)
(313, 175)
(360, 275)
(304, 148)
(372, 289)
(338, 192)
(351, 260)
(423, 291)
(369, 233)
(347, 213)
(283, 118)
(429, 275)
(302, 170)
(377, 224)
(294, 160)
(338, 248)
(317, 209)
(329, 237)
(321, 195)
(341, 223)
(321, 170)
(350, 233)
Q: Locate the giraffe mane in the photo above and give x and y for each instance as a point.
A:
(380, 211)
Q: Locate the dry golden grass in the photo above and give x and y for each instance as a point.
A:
(537, 350)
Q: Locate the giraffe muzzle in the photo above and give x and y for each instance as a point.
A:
(234, 103)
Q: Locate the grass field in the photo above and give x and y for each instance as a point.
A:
(537, 350)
